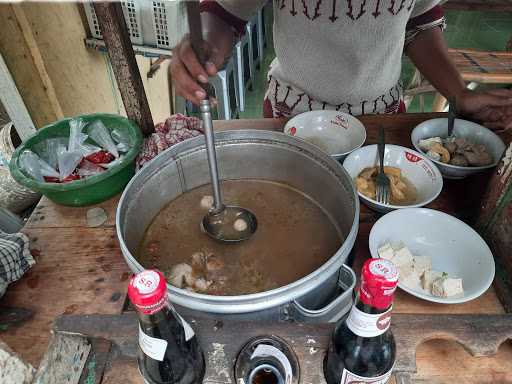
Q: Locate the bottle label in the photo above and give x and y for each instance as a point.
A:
(151, 346)
(367, 325)
(350, 378)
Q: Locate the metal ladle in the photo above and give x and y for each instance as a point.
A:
(226, 223)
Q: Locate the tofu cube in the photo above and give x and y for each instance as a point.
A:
(447, 287)
(428, 278)
(453, 287)
(402, 257)
(422, 264)
(405, 270)
(386, 252)
(412, 281)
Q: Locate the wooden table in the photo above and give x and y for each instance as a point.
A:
(80, 270)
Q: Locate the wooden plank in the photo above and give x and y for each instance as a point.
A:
(13, 103)
(23, 70)
(37, 59)
(99, 357)
(77, 270)
(47, 214)
(495, 222)
(122, 370)
(480, 335)
(119, 47)
(64, 360)
(446, 362)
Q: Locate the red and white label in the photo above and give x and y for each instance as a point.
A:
(292, 131)
(340, 121)
(412, 157)
(367, 325)
(351, 378)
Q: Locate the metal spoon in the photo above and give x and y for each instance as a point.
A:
(452, 114)
(227, 223)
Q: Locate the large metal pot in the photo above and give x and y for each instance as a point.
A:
(326, 293)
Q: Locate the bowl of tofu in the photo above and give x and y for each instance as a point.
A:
(440, 258)
(414, 180)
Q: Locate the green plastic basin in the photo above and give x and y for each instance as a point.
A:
(91, 190)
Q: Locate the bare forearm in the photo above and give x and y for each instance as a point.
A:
(428, 51)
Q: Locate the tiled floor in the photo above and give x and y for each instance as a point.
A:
(477, 30)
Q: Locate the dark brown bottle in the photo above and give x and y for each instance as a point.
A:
(362, 348)
(168, 349)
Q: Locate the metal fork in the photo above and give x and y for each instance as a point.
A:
(382, 180)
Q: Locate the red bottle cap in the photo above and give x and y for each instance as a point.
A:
(379, 279)
(147, 291)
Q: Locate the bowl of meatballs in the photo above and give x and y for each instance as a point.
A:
(471, 149)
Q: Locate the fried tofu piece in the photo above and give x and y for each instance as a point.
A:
(393, 171)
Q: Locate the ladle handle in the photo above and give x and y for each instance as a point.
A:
(210, 152)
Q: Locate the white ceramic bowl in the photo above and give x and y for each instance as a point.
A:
(335, 133)
(476, 133)
(454, 247)
(417, 168)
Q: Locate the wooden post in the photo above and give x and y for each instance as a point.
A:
(495, 224)
(119, 47)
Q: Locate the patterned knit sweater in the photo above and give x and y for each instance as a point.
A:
(336, 54)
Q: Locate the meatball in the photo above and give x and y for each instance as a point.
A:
(459, 160)
(181, 275)
(207, 202)
(240, 225)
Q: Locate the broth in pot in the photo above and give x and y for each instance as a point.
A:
(295, 236)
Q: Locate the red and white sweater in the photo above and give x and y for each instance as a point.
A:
(336, 54)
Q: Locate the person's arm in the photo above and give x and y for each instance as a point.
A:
(220, 28)
(429, 53)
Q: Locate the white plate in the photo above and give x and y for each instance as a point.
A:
(415, 167)
(454, 247)
(335, 133)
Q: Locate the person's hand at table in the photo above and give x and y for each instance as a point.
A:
(492, 108)
(186, 70)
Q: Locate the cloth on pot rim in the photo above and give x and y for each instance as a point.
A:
(174, 130)
(15, 258)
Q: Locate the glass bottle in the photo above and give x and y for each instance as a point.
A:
(169, 352)
(362, 348)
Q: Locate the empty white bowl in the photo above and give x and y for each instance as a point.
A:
(335, 133)
(476, 133)
(415, 167)
(454, 247)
